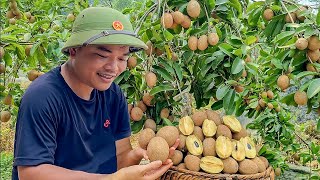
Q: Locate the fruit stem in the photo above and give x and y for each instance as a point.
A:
(209, 25)
(152, 8)
(285, 8)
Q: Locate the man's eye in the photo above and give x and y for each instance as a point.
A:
(101, 55)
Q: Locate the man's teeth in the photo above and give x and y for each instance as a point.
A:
(106, 76)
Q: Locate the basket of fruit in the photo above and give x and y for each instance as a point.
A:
(211, 147)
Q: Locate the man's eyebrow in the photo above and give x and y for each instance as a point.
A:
(109, 51)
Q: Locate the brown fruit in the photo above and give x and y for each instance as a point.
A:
(10, 14)
(270, 106)
(299, 12)
(192, 163)
(296, 157)
(158, 51)
(268, 14)
(166, 20)
(151, 79)
(186, 125)
(213, 39)
(249, 147)
(283, 82)
(214, 116)
(230, 166)
(198, 117)
(248, 59)
(203, 42)
(28, 15)
(197, 131)
(261, 166)
(178, 17)
(233, 123)
(314, 43)
(270, 94)
(194, 145)
(158, 149)
(174, 26)
(278, 108)
(193, 43)
(18, 15)
(169, 133)
(238, 151)
(293, 16)
(264, 94)
(301, 98)
(132, 62)
(264, 160)
(150, 123)
(7, 100)
(211, 164)
(239, 88)
(177, 157)
(209, 128)
(147, 99)
(70, 17)
(32, 19)
(262, 103)
(313, 55)
(12, 21)
(32, 75)
(239, 135)
(310, 67)
(1, 52)
(136, 114)
(182, 166)
(5, 116)
(244, 73)
(248, 167)
(277, 171)
(193, 9)
(2, 68)
(13, 5)
(182, 143)
(301, 44)
(164, 113)
(27, 49)
(209, 147)
(223, 130)
(174, 56)
(130, 106)
(142, 106)
(186, 23)
(223, 147)
(144, 137)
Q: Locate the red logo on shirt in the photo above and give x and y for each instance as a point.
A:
(106, 124)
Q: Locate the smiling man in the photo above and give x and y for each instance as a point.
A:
(73, 121)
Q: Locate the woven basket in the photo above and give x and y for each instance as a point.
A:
(177, 173)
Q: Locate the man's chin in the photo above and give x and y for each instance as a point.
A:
(103, 88)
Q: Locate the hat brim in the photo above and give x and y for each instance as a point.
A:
(77, 39)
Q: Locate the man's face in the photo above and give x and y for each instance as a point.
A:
(97, 66)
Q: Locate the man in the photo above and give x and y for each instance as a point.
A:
(73, 121)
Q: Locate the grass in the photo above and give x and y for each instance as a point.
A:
(6, 165)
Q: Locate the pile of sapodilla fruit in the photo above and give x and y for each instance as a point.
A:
(207, 142)
(172, 20)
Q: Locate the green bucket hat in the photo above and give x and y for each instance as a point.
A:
(103, 25)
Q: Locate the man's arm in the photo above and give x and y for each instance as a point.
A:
(52, 172)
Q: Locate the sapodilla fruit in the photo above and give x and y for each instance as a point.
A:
(261, 166)
(213, 39)
(178, 17)
(264, 160)
(247, 166)
(283, 82)
(158, 149)
(10, 14)
(211, 164)
(238, 151)
(313, 55)
(150, 49)
(249, 147)
(232, 123)
(27, 49)
(277, 171)
(270, 94)
(70, 17)
(268, 14)
(299, 12)
(147, 99)
(169, 133)
(145, 136)
(166, 20)
(132, 62)
(223, 147)
(198, 117)
(150, 123)
(28, 15)
(164, 113)
(293, 16)
(130, 106)
(186, 125)
(192, 163)
(203, 42)
(186, 23)
(310, 67)
(209, 147)
(193, 8)
(142, 106)
(182, 143)
(301, 98)
(230, 166)
(214, 116)
(5, 116)
(1, 52)
(177, 157)
(239, 135)
(2, 68)
(198, 132)
(32, 75)
(7, 100)
(136, 114)
(151, 79)
(223, 130)
(314, 43)
(194, 145)
(209, 128)
(301, 44)
(32, 19)
(193, 43)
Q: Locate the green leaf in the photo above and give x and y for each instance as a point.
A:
(34, 48)
(178, 70)
(277, 63)
(237, 66)
(289, 100)
(318, 125)
(219, 2)
(228, 102)
(250, 40)
(318, 17)
(305, 73)
(226, 48)
(166, 66)
(283, 37)
(168, 35)
(167, 122)
(236, 4)
(217, 105)
(160, 88)
(164, 73)
(136, 126)
(222, 91)
(314, 88)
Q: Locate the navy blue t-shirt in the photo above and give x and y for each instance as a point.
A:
(55, 126)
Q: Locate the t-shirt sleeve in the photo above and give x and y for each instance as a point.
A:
(123, 128)
(36, 128)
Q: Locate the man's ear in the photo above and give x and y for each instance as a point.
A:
(72, 51)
